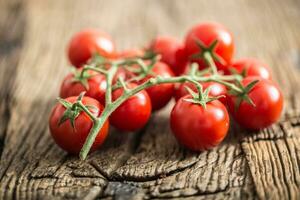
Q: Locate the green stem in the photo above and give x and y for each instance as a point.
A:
(209, 60)
(87, 111)
(99, 70)
(110, 107)
(109, 77)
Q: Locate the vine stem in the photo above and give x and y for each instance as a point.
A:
(109, 77)
(110, 107)
(209, 60)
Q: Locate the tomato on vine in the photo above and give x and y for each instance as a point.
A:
(134, 113)
(161, 94)
(203, 36)
(90, 81)
(70, 126)
(260, 108)
(251, 67)
(171, 51)
(196, 127)
(87, 42)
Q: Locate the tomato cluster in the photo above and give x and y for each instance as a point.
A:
(200, 116)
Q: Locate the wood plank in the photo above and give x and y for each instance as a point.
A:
(150, 163)
(10, 44)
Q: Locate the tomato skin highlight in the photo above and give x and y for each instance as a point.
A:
(96, 87)
(86, 42)
(207, 33)
(172, 52)
(252, 67)
(134, 113)
(216, 89)
(72, 140)
(268, 102)
(197, 128)
(160, 94)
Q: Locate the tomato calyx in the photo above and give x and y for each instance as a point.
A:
(201, 97)
(82, 77)
(74, 109)
(243, 95)
(207, 50)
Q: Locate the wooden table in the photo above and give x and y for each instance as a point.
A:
(148, 164)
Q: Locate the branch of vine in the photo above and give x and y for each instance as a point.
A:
(101, 67)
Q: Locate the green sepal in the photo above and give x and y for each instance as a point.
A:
(82, 78)
(70, 113)
(191, 92)
(243, 96)
(211, 49)
(65, 103)
(202, 97)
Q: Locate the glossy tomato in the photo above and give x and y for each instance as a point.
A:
(251, 67)
(268, 102)
(207, 33)
(216, 89)
(172, 52)
(199, 128)
(134, 113)
(86, 42)
(95, 85)
(161, 94)
(72, 139)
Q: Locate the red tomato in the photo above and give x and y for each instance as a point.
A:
(172, 52)
(252, 67)
(72, 139)
(197, 128)
(85, 43)
(207, 33)
(161, 94)
(96, 86)
(216, 89)
(134, 113)
(131, 53)
(268, 102)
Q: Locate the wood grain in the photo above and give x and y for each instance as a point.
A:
(149, 163)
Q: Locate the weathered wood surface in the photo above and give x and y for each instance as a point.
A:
(148, 164)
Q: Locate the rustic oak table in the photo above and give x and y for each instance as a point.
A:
(150, 163)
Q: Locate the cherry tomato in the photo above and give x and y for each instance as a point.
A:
(216, 89)
(207, 33)
(161, 94)
(134, 113)
(252, 67)
(172, 52)
(131, 53)
(85, 43)
(72, 139)
(268, 102)
(199, 128)
(96, 86)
